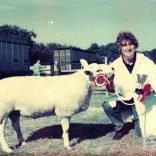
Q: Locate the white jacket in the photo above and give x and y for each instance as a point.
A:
(126, 82)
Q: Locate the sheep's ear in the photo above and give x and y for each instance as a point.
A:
(84, 63)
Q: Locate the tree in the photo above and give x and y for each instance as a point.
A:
(152, 55)
(16, 31)
(110, 51)
(93, 47)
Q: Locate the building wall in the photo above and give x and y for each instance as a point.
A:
(14, 55)
(69, 58)
(63, 57)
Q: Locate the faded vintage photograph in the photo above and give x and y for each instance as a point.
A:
(78, 77)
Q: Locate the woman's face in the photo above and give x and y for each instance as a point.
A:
(127, 49)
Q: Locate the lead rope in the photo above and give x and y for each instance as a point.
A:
(119, 97)
(107, 82)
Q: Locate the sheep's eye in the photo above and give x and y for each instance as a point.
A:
(87, 72)
(99, 70)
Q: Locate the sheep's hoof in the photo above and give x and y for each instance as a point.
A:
(8, 150)
(69, 148)
(20, 144)
(23, 143)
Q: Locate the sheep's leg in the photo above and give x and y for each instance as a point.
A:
(15, 121)
(65, 122)
(3, 142)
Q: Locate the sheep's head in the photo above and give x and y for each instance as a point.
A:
(95, 71)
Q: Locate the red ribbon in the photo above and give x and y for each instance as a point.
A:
(146, 91)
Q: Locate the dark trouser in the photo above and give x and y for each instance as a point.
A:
(114, 115)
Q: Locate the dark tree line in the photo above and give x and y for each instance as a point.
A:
(151, 54)
(111, 52)
(44, 52)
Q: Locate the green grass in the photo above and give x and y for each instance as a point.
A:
(90, 132)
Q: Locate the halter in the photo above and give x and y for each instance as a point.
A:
(101, 80)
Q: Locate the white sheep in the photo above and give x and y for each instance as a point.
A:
(36, 97)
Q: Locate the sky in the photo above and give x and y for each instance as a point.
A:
(83, 22)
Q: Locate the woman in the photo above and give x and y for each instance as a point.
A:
(127, 67)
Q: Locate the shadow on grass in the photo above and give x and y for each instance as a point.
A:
(77, 130)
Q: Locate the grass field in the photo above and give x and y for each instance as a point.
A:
(90, 132)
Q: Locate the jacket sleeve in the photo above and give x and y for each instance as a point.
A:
(150, 70)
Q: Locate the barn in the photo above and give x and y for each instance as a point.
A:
(14, 55)
(69, 58)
